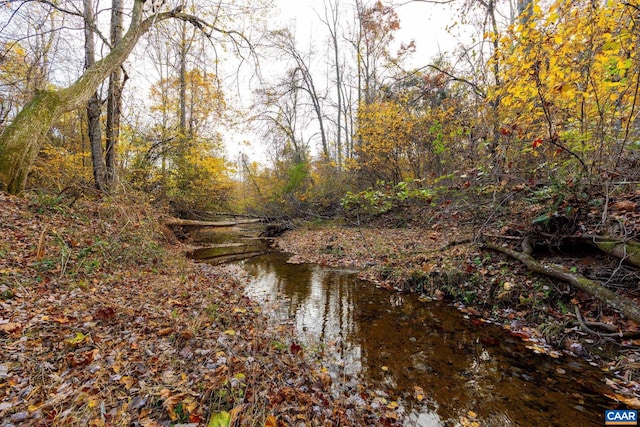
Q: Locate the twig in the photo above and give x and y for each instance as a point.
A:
(585, 327)
(455, 243)
(500, 236)
(40, 248)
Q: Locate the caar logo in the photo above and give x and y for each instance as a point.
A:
(621, 417)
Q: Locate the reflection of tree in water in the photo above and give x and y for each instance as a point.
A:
(293, 281)
(275, 276)
(460, 366)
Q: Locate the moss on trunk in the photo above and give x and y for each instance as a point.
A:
(20, 142)
(627, 251)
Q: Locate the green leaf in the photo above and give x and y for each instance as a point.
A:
(542, 219)
(77, 339)
(221, 419)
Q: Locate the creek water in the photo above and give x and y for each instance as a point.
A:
(438, 365)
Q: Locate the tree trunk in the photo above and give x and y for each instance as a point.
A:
(94, 110)
(194, 223)
(331, 21)
(624, 305)
(114, 98)
(182, 104)
(626, 251)
(20, 142)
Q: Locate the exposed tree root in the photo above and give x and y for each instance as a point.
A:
(626, 251)
(586, 327)
(626, 306)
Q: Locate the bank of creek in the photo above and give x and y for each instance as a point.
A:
(439, 366)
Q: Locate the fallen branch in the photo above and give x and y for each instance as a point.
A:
(627, 307)
(454, 243)
(192, 223)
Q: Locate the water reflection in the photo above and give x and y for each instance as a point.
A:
(436, 364)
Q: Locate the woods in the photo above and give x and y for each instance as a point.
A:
(500, 172)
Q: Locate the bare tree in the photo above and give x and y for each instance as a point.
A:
(303, 79)
(331, 21)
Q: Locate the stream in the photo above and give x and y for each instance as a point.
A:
(424, 355)
(441, 367)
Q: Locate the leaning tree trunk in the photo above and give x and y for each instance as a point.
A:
(20, 142)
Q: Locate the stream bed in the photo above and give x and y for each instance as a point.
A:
(439, 366)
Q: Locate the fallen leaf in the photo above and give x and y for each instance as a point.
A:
(9, 328)
(164, 332)
(221, 419)
(632, 402)
(428, 267)
(294, 348)
(625, 206)
(271, 421)
(80, 337)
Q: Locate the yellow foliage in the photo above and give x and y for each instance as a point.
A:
(58, 167)
(570, 77)
(385, 132)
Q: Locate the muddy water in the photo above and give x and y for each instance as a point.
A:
(438, 365)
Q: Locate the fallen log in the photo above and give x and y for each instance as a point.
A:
(232, 257)
(626, 251)
(216, 251)
(625, 306)
(193, 223)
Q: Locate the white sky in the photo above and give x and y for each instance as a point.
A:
(423, 22)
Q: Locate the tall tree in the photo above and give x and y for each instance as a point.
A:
(94, 105)
(304, 80)
(114, 96)
(331, 21)
(375, 30)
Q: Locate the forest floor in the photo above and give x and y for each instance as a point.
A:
(436, 251)
(103, 322)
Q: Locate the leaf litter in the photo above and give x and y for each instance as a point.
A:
(104, 323)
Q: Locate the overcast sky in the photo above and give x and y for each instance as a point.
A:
(423, 22)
